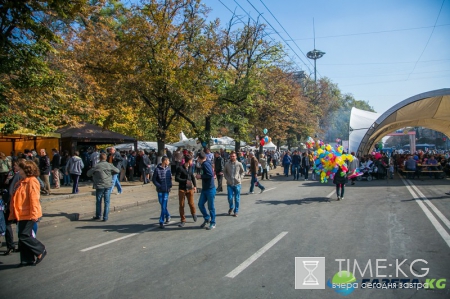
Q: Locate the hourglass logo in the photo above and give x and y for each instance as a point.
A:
(310, 272)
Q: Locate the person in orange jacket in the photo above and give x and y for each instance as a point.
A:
(26, 210)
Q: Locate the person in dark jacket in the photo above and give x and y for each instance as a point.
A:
(44, 168)
(208, 194)
(296, 164)
(64, 159)
(131, 165)
(56, 164)
(11, 181)
(115, 159)
(305, 165)
(102, 174)
(219, 166)
(74, 167)
(144, 166)
(340, 179)
(162, 178)
(186, 188)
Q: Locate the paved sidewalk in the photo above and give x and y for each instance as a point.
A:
(62, 206)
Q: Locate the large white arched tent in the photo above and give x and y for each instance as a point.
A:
(430, 109)
(360, 122)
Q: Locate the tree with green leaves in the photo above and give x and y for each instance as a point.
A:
(27, 36)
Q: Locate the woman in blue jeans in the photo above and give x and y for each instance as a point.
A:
(162, 178)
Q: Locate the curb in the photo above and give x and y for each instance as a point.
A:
(83, 194)
(86, 215)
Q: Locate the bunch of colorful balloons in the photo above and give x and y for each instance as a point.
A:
(266, 138)
(328, 160)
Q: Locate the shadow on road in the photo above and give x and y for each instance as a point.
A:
(302, 201)
(71, 216)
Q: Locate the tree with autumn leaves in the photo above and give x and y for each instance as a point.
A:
(154, 69)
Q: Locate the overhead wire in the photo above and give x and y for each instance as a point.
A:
(282, 38)
(372, 32)
(264, 31)
(283, 29)
(428, 41)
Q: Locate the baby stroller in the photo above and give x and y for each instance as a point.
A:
(367, 173)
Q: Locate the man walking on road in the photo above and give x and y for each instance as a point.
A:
(208, 192)
(296, 162)
(115, 159)
(187, 188)
(162, 179)
(102, 174)
(234, 173)
(254, 173)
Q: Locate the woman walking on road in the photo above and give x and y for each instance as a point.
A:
(26, 210)
(340, 179)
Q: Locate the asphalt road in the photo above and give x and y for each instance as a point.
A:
(253, 255)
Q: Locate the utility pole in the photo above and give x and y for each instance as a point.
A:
(315, 54)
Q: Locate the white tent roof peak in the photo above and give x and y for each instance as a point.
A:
(182, 136)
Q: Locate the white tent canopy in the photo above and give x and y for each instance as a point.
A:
(143, 145)
(360, 122)
(270, 146)
(185, 142)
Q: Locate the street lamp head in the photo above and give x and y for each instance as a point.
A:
(315, 54)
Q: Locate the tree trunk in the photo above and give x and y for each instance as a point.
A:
(237, 143)
(161, 135)
(207, 131)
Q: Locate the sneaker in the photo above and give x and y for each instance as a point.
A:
(161, 225)
(235, 215)
(342, 198)
(338, 198)
(262, 190)
(96, 218)
(167, 220)
(248, 193)
(211, 226)
(181, 224)
(204, 223)
(194, 217)
(229, 211)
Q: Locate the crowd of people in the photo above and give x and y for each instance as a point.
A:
(25, 177)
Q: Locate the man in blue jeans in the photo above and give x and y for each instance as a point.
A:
(208, 192)
(254, 166)
(102, 174)
(287, 160)
(234, 173)
(162, 179)
(296, 160)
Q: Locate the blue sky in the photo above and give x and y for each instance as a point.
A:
(380, 51)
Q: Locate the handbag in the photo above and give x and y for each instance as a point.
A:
(189, 184)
